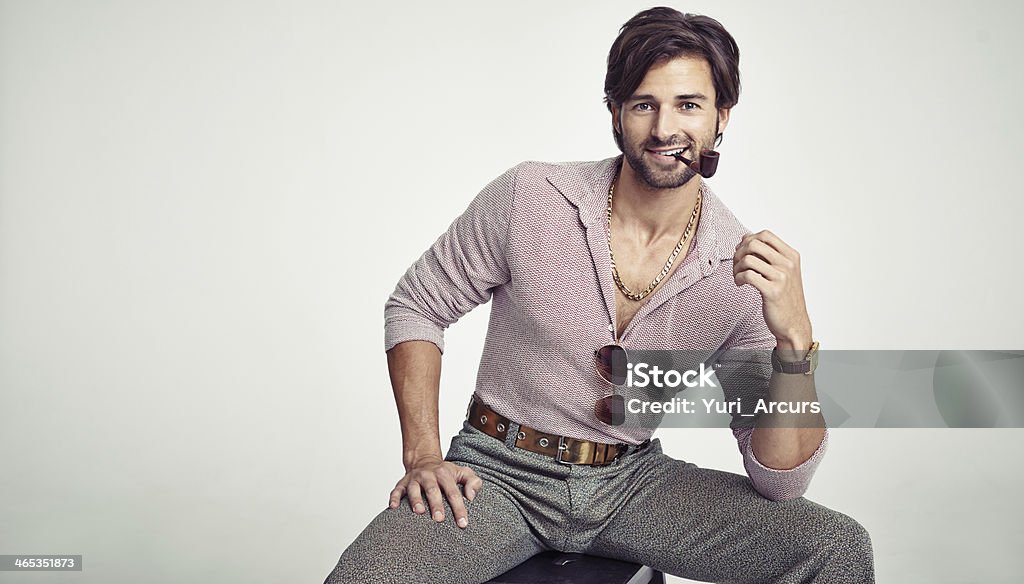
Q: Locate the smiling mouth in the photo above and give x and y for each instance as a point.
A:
(669, 153)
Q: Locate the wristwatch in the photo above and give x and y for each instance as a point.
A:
(805, 366)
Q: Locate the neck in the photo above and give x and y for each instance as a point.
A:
(646, 214)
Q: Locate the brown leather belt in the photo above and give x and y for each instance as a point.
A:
(563, 449)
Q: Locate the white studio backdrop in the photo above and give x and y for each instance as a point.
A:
(204, 206)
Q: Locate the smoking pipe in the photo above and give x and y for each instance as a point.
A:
(706, 166)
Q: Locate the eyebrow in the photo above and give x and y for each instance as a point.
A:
(683, 97)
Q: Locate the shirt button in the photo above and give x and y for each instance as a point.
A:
(611, 328)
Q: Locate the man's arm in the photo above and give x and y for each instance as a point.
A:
(456, 274)
(415, 369)
(783, 451)
(745, 372)
(786, 440)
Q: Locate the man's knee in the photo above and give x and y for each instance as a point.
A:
(401, 546)
(857, 537)
(367, 558)
(847, 544)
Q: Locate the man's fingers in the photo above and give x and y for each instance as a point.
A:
(428, 489)
(752, 262)
(776, 242)
(435, 498)
(768, 287)
(473, 485)
(467, 477)
(451, 490)
(766, 252)
(772, 241)
(396, 495)
(416, 497)
(754, 279)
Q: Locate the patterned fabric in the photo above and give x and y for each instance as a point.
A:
(534, 242)
(649, 508)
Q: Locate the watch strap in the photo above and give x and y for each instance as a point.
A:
(806, 366)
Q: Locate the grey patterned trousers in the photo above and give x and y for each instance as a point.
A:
(648, 508)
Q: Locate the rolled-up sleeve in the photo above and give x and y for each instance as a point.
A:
(776, 484)
(457, 273)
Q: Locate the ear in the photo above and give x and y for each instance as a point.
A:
(723, 119)
(616, 121)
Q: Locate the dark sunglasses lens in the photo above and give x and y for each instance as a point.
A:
(611, 364)
(611, 410)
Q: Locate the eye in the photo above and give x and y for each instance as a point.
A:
(687, 106)
(643, 107)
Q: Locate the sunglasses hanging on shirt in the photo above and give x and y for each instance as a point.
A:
(612, 362)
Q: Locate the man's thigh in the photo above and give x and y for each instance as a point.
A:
(401, 546)
(711, 525)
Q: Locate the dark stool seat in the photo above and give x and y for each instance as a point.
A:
(553, 567)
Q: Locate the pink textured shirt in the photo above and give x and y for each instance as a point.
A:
(534, 242)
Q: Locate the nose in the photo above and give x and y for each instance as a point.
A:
(663, 128)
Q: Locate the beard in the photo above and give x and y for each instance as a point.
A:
(660, 177)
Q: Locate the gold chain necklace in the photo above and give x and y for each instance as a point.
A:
(668, 264)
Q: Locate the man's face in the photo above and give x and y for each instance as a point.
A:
(672, 109)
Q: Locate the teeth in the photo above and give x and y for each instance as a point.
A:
(672, 152)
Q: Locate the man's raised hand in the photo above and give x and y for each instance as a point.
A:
(771, 266)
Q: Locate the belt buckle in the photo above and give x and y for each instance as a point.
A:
(562, 448)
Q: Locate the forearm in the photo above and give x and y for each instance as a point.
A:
(415, 370)
(784, 440)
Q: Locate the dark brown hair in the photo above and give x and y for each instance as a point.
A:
(662, 33)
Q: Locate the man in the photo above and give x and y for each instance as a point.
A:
(634, 251)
